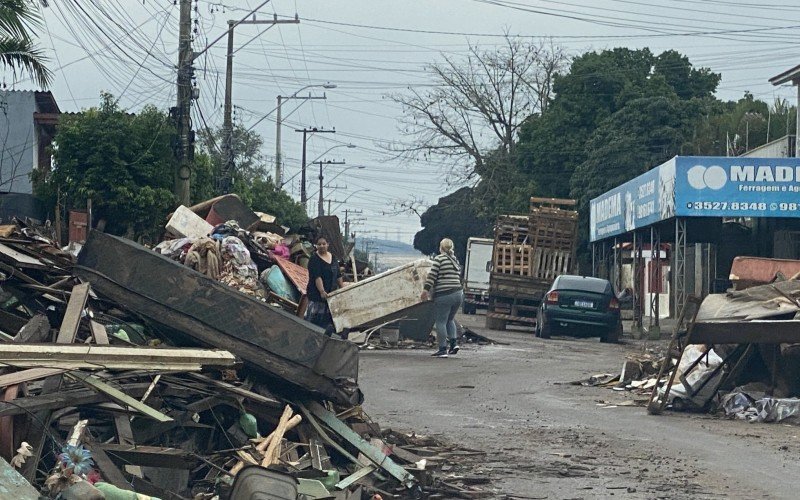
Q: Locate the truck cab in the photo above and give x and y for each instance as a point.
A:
(477, 269)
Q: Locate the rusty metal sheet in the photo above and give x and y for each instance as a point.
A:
(753, 271)
(298, 275)
(198, 310)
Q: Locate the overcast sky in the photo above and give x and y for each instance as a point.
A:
(371, 48)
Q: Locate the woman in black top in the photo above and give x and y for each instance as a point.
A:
(323, 278)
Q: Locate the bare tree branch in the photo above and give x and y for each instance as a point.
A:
(478, 104)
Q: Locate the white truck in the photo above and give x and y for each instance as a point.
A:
(476, 274)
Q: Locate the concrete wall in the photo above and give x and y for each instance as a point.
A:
(18, 141)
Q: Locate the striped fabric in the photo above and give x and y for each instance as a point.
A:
(444, 276)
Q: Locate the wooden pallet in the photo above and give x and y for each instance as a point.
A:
(548, 264)
(512, 259)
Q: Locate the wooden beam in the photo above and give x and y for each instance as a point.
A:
(74, 397)
(151, 456)
(87, 356)
(119, 396)
(28, 375)
(374, 454)
(66, 335)
(99, 333)
(72, 316)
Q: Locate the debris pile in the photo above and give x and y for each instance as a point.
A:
(127, 371)
(250, 252)
(736, 353)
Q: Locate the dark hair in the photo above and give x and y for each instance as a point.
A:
(320, 237)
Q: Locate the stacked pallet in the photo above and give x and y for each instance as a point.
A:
(553, 228)
(512, 249)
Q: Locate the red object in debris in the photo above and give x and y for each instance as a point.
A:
(754, 271)
(298, 275)
(78, 226)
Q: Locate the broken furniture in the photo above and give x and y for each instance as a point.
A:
(763, 315)
(380, 298)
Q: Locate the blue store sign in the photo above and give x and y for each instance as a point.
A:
(696, 186)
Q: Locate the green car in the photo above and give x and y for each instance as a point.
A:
(580, 305)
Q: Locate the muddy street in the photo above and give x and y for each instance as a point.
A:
(544, 438)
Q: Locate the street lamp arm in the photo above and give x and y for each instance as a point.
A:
(365, 190)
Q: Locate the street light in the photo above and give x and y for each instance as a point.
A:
(278, 166)
(365, 190)
(360, 167)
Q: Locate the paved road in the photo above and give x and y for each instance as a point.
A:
(545, 439)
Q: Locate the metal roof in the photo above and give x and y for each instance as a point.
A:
(788, 76)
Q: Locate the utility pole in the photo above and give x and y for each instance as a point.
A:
(320, 203)
(185, 148)
(228, 166)
(347, 212)
(279, 123)
(306, 131)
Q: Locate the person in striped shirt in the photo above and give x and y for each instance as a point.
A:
(444, 284)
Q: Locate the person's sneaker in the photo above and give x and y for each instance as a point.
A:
(453, 350)
(441, 353)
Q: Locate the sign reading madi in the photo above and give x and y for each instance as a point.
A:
(699, 186)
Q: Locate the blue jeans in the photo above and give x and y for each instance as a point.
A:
(445, 309)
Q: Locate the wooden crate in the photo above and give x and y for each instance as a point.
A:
(512, 259)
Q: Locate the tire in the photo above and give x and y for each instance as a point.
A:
(495, 323)
(465, 308)
(612, 336)
(543, 330)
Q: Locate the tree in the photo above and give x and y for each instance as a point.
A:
(123, 162)
(246, 145)
(598, 85)
(453, 217)
(477, 104)
(251, 179)
(261, 195)
(17, 49)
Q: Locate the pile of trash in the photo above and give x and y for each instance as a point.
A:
(250, 252)
(736, 353)
(126, 371)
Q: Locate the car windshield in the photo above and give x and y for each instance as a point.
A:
(594, 285)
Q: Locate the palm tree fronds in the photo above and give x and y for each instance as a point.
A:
(17, 17)
(23, 55)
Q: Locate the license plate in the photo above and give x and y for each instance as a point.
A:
(584, 303)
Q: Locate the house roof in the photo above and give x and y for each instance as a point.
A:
(46, 102)
(788, 76)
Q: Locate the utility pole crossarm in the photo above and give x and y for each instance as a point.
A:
(226, 176)
(303, 165)
(321, 202)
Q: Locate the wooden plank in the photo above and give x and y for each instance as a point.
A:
(374, 454)
(109, 469)
(87, 356)
(72, 317)
(72, 397)
(151, 456)
(66, 335)
(119, 396)
(20, 259)
(99, 333)
(28, 375)
(356, 476)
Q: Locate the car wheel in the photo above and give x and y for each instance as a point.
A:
(465, 308)
(544, 330)
(612, 336)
